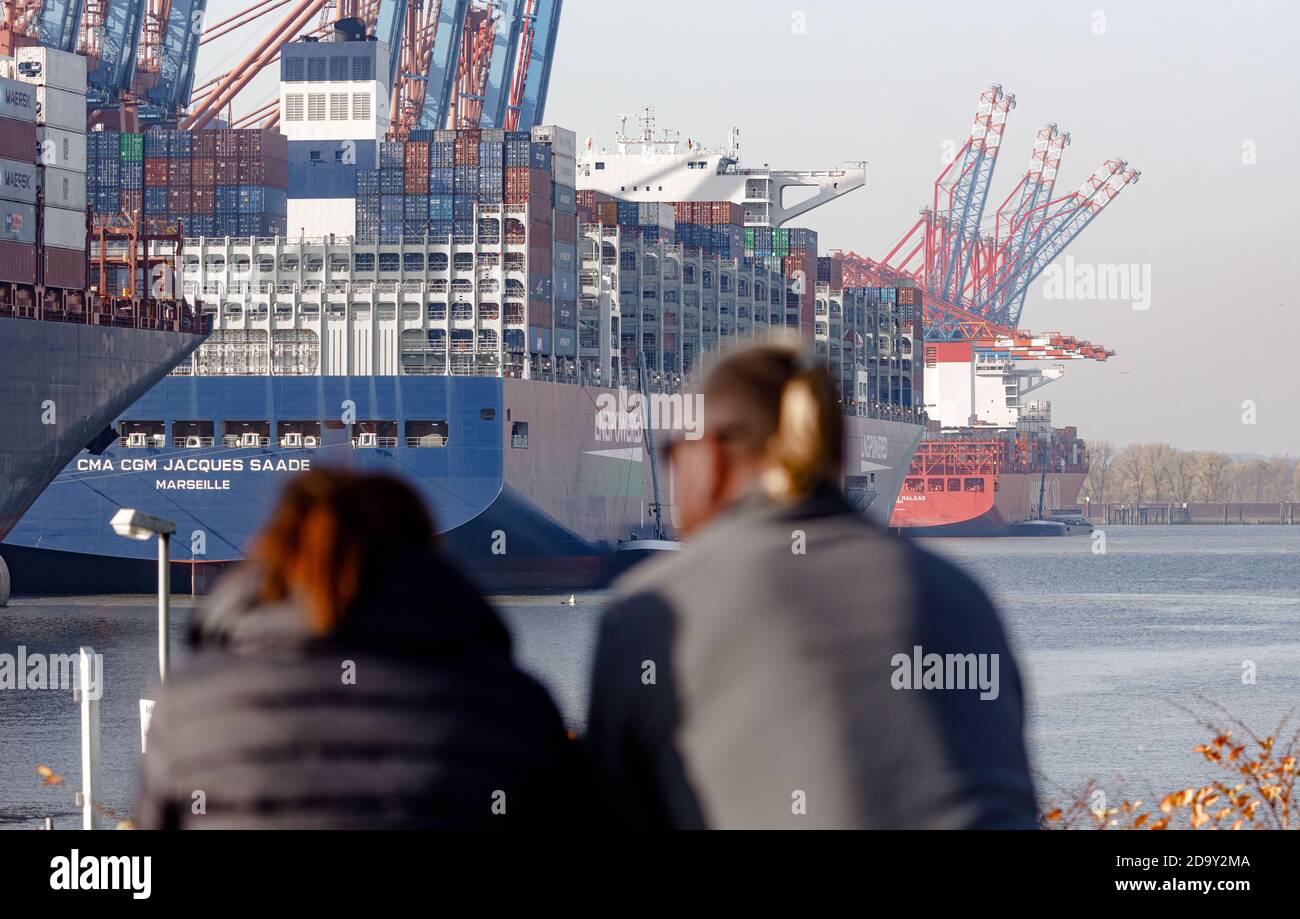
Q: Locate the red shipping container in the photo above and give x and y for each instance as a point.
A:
(17, 142)
(608, 213)
(415, 155)
(17, 260)
(65, 268)
(415, 180)
(566, 227)
(539, 259)
(539, 234)
(539, 182)
(539, 313)
(465, 150)
(203, 171)
(227, 142)
(274, 173)
(226, 171)
(155, 171)
(539, 207)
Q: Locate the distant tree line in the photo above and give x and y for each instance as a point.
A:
(1159, 473)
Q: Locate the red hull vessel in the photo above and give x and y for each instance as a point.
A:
(960, 486)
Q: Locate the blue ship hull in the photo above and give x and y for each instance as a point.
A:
(526, 491)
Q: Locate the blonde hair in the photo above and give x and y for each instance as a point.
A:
(786, 410)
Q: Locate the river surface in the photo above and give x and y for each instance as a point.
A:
(1124, 653)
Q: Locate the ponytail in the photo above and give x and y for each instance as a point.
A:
(806, 445)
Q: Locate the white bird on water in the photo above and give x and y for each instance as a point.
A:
(572, 600)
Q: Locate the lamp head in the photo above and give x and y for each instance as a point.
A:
(136, 525)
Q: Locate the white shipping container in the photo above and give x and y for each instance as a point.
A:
(64, 188)
(17, 100)
(565, 169)
(61, 148)
(58, 108)
(63, 228)
(48, 67)
(563, 141)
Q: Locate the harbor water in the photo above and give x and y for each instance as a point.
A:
(1124, 652)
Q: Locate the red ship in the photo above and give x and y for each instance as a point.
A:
(998, 483)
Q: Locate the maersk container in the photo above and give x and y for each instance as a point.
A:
(63, 228)
(64, 188)
(17, 181)
(566, 342)
(62, 148)
(566, 313)
(48, 67)
(566, 285)
(539, 260)
(18, 101)
(58, 108)
(19, 221)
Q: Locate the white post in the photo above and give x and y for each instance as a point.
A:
(164, 597)
(88, 690)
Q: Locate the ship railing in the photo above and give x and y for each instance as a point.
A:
(375, 442)
(236, 441)
(427, 441)
(193, 442)
(148, 442)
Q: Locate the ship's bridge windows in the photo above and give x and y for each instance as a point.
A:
(413, 261)
(519, 435)
(915, 486)
(934, 484)
(245, 434)
(373, 433)
(425, 434)
(390, 261)
(364, 261)
(437, 261)
(142, 434)
(192, 435)
(298, 434)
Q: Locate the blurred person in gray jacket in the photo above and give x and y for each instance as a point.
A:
(793, 666)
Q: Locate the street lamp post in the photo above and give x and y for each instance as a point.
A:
(135, 525)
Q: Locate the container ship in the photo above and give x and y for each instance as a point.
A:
(994, 465)
(73, 355)
(465, 308)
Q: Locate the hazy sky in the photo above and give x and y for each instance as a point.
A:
(1184, 91)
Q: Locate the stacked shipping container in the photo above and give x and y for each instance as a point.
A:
(17, 180)
(717, 227)
(220, 182)
(437, 183)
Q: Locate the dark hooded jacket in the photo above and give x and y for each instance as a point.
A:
(412, 715)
